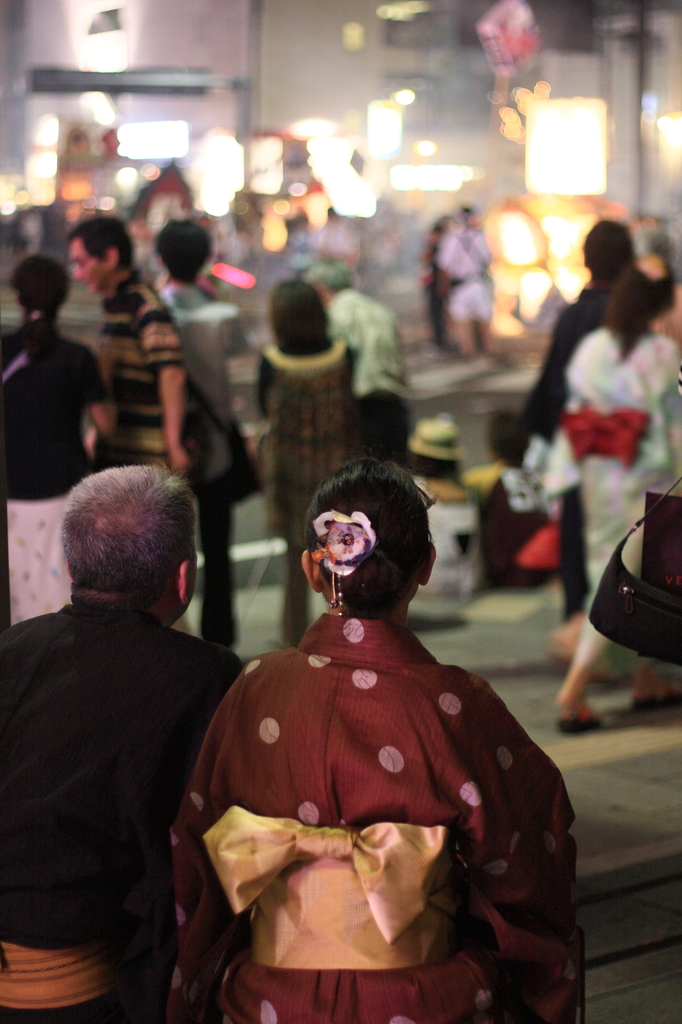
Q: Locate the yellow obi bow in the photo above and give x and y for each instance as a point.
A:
(373, 897)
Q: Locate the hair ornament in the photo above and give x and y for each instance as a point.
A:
(343, 541)
(653, 266)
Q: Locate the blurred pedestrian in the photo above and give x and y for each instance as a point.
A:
(141, 361)
(621, 436)
(453, 517)
(48, 383)
(337, 240)
(210, 332)
(607, 250)
(436, 301)
(305, 393)
(371, 332)
(463, 258)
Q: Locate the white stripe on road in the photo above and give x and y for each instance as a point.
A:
(253, 550)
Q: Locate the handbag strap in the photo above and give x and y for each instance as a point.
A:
(655, 505)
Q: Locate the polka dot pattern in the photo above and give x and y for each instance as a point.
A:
(318, 660)
(354, 631)
(308, 813)
(496, 867)
(401, 1020)
(267, 1013)
(251, 666)
(197, 800)
(450, 703)
(483, 999)
(470, 794)
(180, 915)
(550, 842)
(268, 730)
(173, 838)
(176, 981)
(391, 759)
(364, 678)
(504, 758)
(514, 841)
(193, 993)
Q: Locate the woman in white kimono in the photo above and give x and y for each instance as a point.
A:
(621, 436)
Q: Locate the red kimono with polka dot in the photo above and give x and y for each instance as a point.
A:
(358, 725)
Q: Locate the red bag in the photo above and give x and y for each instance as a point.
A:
(542, 550)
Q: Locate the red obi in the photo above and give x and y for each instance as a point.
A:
(616, 434)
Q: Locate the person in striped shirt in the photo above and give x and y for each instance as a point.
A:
(141, 360)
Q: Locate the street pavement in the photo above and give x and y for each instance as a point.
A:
(624, 780)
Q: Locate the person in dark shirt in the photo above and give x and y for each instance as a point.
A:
(48, 383)
(103, 711)
(608, 249)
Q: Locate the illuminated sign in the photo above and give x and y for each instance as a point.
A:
(384, 129)
(566, 147)
(432, 177)
(153, 140)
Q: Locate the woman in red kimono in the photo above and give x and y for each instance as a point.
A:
(369, 836)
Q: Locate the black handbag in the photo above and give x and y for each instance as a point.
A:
(242, 476)
(636, 614)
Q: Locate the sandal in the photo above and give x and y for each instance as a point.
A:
(669, 698)
(581, 720)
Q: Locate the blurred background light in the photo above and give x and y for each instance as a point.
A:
(153, 140)
(223, 173)
(353, 36)
(101, 106)
(566, 146)
(426, 148)
(330, 162)
(404, 97)
(47, 131)
(384, 129)
(671, 126)
(312, 126)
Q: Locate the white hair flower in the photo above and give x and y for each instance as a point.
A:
(344, 541)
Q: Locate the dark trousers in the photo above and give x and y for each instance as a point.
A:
(384, 427)
(215, 527)
(436, 306)
(573, 572)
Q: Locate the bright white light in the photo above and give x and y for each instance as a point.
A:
(47, 131)
(104, 51)
(106, 203)
(126, 179)
(266, 165)
(426, 148)
(566, 147)
(153, 140)
(384, 129)
(330, 163)
(671, 126)
(533, 288)
(224, 173)
(297, 188)
(404, 97)
(46, 165)
(312, 126)
(8, 208)
(562, 235)
(102, 108)
(430, 177)
(517, 241)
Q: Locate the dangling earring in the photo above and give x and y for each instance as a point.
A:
(337, 597)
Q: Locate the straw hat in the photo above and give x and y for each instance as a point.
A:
(436, 439)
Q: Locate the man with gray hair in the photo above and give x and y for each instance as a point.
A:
(370, 330)
(103, 709)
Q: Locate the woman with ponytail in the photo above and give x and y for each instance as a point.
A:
(48, 382)
(370, 836)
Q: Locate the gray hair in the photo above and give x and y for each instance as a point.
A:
(125, 531)
(333, 274)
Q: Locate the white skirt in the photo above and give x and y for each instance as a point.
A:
(38, 579)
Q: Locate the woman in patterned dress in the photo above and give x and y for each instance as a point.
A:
(305, 392)
(370, 836)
